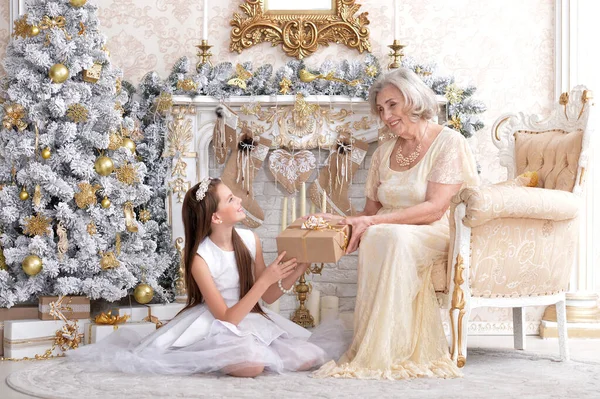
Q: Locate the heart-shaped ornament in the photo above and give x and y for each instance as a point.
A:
(291, 170)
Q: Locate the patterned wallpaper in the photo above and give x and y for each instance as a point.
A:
(505, 48)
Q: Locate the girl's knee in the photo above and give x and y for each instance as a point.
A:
(248, 371)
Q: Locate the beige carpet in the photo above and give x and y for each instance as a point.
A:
(488, 374)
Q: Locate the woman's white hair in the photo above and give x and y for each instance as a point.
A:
(420, 101)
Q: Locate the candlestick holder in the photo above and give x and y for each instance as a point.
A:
(302, 315)
(204, 54)
(396, 54)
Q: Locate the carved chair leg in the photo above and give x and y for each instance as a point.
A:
(561, 318)
(519, 327)
(459, 319)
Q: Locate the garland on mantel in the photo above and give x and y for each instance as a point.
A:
(346, 78)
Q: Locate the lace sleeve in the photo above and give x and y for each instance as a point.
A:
(455, 164)
(373, 181)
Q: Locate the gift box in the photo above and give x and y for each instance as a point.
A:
(28, 338)
(72, 307)
(320, 242)
(164, 311)
(97, 332)
(136, 313)
(15, 313)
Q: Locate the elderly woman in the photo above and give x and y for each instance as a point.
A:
(402, 232)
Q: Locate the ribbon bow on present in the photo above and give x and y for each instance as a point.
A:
(319, 223)
(109, 319)
(58, 23)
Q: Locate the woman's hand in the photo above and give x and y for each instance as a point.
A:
(278, 270)
(359, 224)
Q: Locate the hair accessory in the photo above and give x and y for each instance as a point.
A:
(202, 188)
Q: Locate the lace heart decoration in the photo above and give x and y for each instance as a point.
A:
(291, 170)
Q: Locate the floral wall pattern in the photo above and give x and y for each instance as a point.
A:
(505, 48)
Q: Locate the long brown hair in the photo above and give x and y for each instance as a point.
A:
(197, 222)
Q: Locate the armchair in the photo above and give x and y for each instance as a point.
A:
(515, 246)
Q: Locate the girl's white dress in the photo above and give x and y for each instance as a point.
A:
(196, 342)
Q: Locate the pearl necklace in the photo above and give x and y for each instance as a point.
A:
(410, 158)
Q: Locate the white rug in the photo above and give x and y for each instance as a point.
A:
(488, 374)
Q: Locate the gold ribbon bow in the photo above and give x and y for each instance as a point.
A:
(316, 223)
(51, 23)
(57, 308)
(110, 319)
(153, 319)
(13, 116)
(67, 337)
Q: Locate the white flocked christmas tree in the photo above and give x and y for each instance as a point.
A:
(72, 182)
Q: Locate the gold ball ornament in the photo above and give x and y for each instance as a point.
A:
(24, 195)
(104, 165)
(32, 265)
(58, 73)
(77, 3)
(46, 153)
(143, 293)
(129, 144)
(105, 203)
(34, 30)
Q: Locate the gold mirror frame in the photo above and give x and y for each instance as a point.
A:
(300, 33)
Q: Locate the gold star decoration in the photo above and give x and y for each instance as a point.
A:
(187, 85)
(163, 103)
(77, 113)
(22, 29)
(455, 123)
(285, 85)
(144, 215)
(127, 174)
(13, 116)
(371, 71)
(91, 228)
(109, 261)
(453, 94)
(37, 225)
(114, 141)
(86, 195)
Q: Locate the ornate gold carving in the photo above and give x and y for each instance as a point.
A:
(364, 124)
(180, 284)
(179, 138)
(180, 168)
(308, 77)
(458, 303)
(179, 187)
(300, 33)
(564, 100)
(496, 135)
(585, 97)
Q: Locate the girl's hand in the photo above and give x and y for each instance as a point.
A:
(278, 270)
(359, 224)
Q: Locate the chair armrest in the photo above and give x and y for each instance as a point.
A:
(487, 203)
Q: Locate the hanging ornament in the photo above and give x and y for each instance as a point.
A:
(187, 85)
(48, 23)
(127, 174)
(455, 123)
(63, 242)
(114, 141)
(77, 3)
(92, 75)
(34, 30)
(86, 195)
(109, 261)
(144, 215)
(143, 293)
(3, 265)
(371, 71)
(129, 144)
(104, 166)
(21, 29)
(24, 195)
(118, 85)
(13, 116)
(91, 228)
(37, 195)
(285, 85)
(105, 203)
(453, 94)
(58, 73)
(119, 108)
(46, 153)
(78, 113)
(130, 223)
(242, 75)
(81, 29)
(32, 265)
(163, 103)
(118, 244)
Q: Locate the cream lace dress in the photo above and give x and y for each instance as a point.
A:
(398, 331)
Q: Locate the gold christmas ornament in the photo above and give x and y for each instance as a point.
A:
(37, 225)
(104, 166)
(144, 215)
(77, 3)
(187, 85)
(129, 144)
(81, 29)
(59, 22)
(285, 85)
(86, 195)
(109, 261)
(114, 141)
(118, 85)
(371, 71)
(58, 73)
(21, 29)
(34, 30)
(46, 153)
(24, 195)
(455, 123)
(143, 293)
(127, 174)
(93, 74)
(32, 265)
(163, 103)
(453, 94)
(13, 116)
(63, 242)
(130, 223)
(105, 203)
(37, 195)
(77, 113)
(91, 228)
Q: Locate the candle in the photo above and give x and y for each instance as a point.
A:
(313, 305)
(396, 22)
(293, 208)
(205, 21)
(303, 199)
(329, 308)
(284, 214)
(312, 208)
(324, 202)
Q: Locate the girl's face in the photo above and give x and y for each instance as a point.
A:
(230, 209)
(391, 108)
